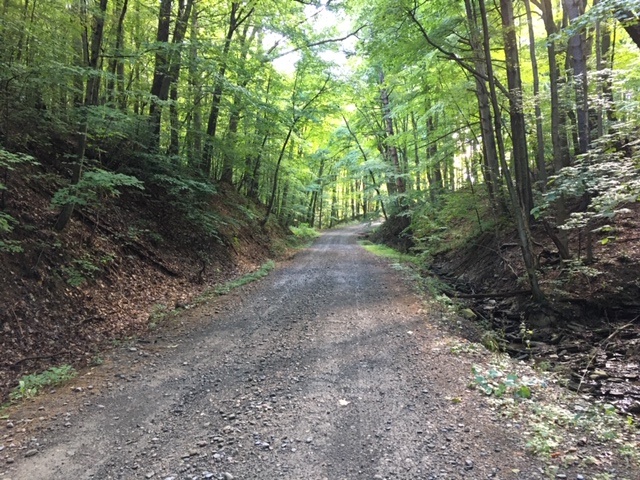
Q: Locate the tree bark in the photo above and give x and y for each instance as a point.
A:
(194, 133)
(516, 112)
(237, 17)
(390, 149)
(630, 21)
(115, 85)
(91, 98)
(180, 29)
(520, 217)
(558, 128)
(236, 109)
(577, 56)
(489, 149)
(540, 150)
(159, 86)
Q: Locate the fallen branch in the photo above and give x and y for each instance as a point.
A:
(37, 357)
(515, 293)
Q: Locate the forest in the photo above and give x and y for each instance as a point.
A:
(154, 147)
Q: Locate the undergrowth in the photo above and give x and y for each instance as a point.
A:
(162, 312)
(304, 234)
(388, 252)
(227, 287)
(449, 223)
(555, 421)
(30, 385)
(262, 272)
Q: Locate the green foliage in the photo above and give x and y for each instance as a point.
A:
(30, 385)
(94, 187)
(608, 177)
(390, 253)
(9, 161)
(262, 272)
(304, 233)
(186, 197)
(495, 382)
(493, 340)
(159, 312)
(6, 226)
(550, 424)
(80, 271)
(450, 223)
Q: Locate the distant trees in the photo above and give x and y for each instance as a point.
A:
(539, 104)
(182, 91)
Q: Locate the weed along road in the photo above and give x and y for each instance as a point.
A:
(330, 368)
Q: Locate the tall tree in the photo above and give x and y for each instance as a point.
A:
(91, 53)
(237, 16)
(577, 52)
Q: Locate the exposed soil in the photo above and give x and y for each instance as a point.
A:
(69, 295)
(328, 369)
(589, 331)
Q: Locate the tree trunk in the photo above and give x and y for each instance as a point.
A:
(416, 152)
(558, 128)
(180, 29)
(540, 160)
(390, 149)
(236, 109)
(489, 148)
(115, 85)
(195, 87)
(91, 99)
(364, 157)
(161, 71)
(520, 217)
(236, 18)
(516, 112)
(577, 55)
(630, 22)
(275, 175)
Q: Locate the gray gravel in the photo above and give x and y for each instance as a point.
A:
(328, 369)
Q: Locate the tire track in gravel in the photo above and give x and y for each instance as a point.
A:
(327, 369)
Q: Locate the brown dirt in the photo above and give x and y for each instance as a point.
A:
(140, 261)
(590, 327)
(328, 369)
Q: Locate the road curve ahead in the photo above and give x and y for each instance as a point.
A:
(328, 369)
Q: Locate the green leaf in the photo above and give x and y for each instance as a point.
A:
(523, 392)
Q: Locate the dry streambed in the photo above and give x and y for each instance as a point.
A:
(328, 369)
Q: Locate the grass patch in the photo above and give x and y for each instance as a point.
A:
(388, 252)
(30, 385)
(262, 272)
(227, 287)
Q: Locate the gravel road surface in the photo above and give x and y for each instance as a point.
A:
(330, 368)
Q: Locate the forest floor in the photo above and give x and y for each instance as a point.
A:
(111, 275)
(589, 330)
(330, 368)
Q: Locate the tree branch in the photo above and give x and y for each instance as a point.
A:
(312, 44)
(451, 55)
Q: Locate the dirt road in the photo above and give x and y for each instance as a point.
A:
(327, 369)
